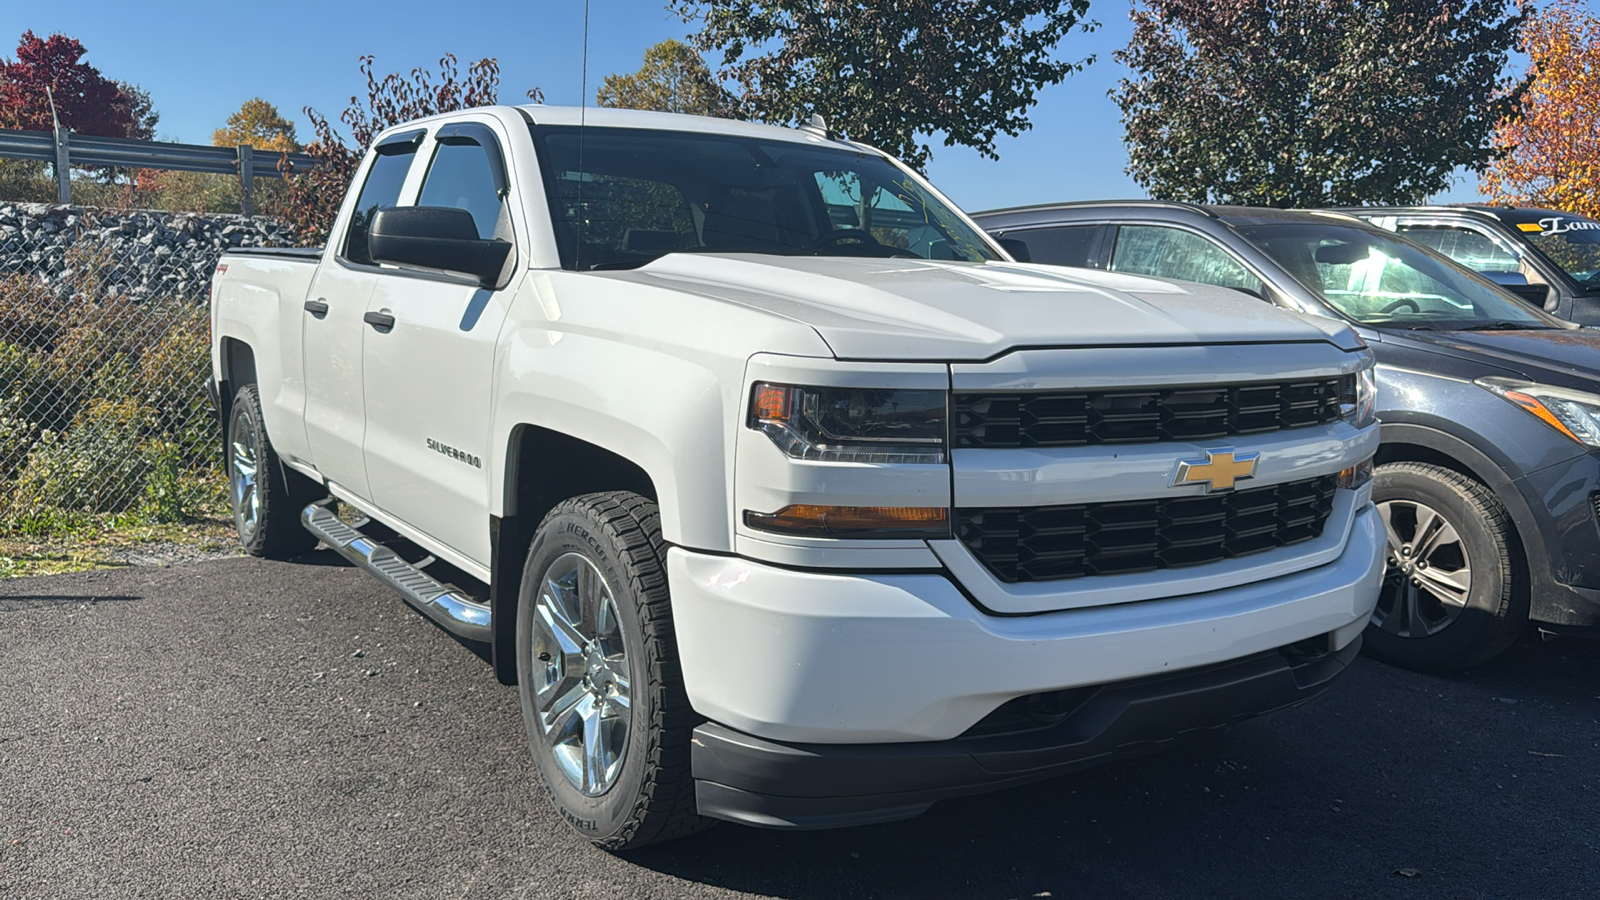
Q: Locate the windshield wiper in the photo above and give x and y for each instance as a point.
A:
(1505, 326)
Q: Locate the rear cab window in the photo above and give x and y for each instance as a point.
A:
(381, 190)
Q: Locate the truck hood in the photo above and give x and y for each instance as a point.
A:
(913, 309)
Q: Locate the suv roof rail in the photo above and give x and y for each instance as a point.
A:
(1423, 207)
(1163, 204)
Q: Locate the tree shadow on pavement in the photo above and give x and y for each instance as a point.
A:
(1394, 783)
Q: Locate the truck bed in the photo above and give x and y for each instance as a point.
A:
(303, 254)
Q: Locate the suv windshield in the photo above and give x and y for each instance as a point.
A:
(1571, 242)
(1378, 279)
(620, 198)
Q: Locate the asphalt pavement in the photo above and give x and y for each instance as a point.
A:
(242, 728)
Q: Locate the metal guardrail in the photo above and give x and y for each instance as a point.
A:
(65, 151)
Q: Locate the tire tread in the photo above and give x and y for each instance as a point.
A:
(279, 534)
(665, 808)
(1510, 614)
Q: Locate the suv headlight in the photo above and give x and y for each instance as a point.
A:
(861, 425)
(1575, 414)
(1359, 400)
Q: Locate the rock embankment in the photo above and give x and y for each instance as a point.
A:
(139, 253)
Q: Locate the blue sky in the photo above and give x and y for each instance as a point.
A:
(201, 60)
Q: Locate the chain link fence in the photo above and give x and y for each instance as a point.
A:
(104, 354)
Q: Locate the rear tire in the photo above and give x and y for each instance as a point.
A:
(603, 700)
(1455, 593)
(266, 498)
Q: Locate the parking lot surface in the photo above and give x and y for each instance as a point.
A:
(243, 728)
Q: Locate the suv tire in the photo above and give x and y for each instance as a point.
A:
(603, 700)
(1455, 593)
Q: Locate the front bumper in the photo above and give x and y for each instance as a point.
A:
(1557, 513)
(829, 658)
(758, 782)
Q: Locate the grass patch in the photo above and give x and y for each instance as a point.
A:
(111, 542)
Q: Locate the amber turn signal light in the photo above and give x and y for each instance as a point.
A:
(1357, 475)
(854, 521)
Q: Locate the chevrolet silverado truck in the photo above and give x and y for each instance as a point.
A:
(780, 491)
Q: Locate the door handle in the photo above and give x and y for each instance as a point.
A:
(318, 308)
(379, 320)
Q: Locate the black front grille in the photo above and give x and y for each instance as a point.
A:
(1044, 543)
(1134, 416)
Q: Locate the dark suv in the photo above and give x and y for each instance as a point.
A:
(1549, 258)
(1489, 473)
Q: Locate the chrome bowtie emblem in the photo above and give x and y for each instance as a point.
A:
(1218, 471)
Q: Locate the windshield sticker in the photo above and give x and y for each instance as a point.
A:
(1554, 225)
(1534, 227)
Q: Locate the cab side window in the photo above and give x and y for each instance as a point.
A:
(1467, 246)
(1173, 253)
(381, 190)
(1062, 245)
(462, 175)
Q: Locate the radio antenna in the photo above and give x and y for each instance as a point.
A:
(583, 107)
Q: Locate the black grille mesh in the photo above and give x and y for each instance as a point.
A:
(1071, 419)
(1044, 543)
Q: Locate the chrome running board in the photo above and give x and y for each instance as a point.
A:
(464, 618)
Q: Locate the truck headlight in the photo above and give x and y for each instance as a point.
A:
(1575, 414)
(1359, 400)
(861, 425)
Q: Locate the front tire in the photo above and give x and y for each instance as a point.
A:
(1455, 593)
(266, 498)
(607, 717)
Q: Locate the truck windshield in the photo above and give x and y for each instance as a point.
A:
(1571, 242)
(1378, 279)
(620, 198)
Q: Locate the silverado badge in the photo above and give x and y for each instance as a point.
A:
(1218, 471)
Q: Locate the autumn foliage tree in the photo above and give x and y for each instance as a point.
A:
(1313, 102)
(86, 101)
(315, 195)
(1551, 143)
(673, 79)
(892, 72)
(258, 124)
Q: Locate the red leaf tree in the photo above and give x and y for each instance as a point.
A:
(86, 101)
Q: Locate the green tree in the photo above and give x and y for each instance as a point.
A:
(673, 79)
(893, 72)
(1313, 102)
(258, 124)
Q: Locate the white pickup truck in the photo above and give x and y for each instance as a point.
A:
(781, 492)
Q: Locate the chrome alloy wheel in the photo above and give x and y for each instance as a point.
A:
(244, 473)
(582, 681)
(1429, 576)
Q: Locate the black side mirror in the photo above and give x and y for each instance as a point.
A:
(1017, 248)
(436, 237)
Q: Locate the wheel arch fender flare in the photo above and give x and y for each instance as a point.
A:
(1416, 441)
